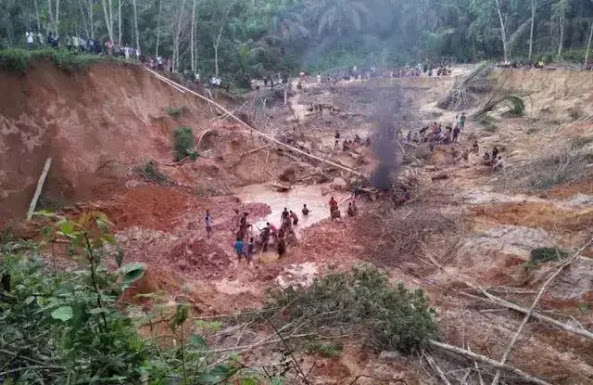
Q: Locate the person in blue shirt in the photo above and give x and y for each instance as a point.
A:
(239, 248)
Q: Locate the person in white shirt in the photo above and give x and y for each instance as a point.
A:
(30, 37)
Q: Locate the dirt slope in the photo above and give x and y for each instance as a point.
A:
(88, 122)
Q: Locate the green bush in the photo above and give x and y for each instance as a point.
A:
(364, 302)
(547, 254)
(175, 112)
(150, 172)
(328, 350)
(488, 123)
(184, 143)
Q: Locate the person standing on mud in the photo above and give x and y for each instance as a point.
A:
(285, 215)
(462, 121)
(249, 253)
(244, 226)
(208, 223)
(239, 248)
(456, 133)
(294, 218)
(306, 210)
(281, 247)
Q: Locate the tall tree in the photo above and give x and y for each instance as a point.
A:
(158, 28)
(54, 16)
(37, 15)
(560, 10)
(194, 59)
(136, 32)
(177, 41)
(119, 35)
(108, 13)
(532, 28)
(589, 45)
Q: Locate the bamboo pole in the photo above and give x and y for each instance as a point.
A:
(39, 188)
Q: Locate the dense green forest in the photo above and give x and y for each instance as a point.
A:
(250, 37)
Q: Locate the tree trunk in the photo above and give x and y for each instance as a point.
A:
(158, 29)
(119, 22)
(177, 38)
(136, 32)
(193, 39)
(108, 18)
(83, 16)
(589, 45)
(57, 17)
(50, 13)
(38, 17)
(91, 18)
(503, 32)
(561, 43)
(532, 29)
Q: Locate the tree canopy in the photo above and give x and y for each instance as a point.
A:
(249, 38)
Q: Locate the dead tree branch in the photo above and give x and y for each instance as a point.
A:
(489, 361)
(542, 291)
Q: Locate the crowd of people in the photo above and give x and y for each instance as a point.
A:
(350, 144)
(270, 237)
(435, 133)
(77, 44)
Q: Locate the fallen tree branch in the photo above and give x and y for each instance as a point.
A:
(265, 341)
(540, 317)
(436, 368)
(486, 360)
(542, 291)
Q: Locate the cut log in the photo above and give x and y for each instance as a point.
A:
(39, 188)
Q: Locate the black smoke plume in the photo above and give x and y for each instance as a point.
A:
(385, 147)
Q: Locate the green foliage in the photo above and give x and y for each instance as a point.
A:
(150, 172)
(515, 103)
(20, 60)
(364, 301)
(68, 327)
(547, 254)
(543, 255)
(488, 122)
(61, 326)
(184, 143)
(328, 350)
(175, 112)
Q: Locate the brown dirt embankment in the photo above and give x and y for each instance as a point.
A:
(94, 124)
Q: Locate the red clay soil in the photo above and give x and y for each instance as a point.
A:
(84, 120)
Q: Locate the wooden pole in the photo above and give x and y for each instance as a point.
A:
(40, 183)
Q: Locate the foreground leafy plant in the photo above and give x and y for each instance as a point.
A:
(67, 327)
(361, 302)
